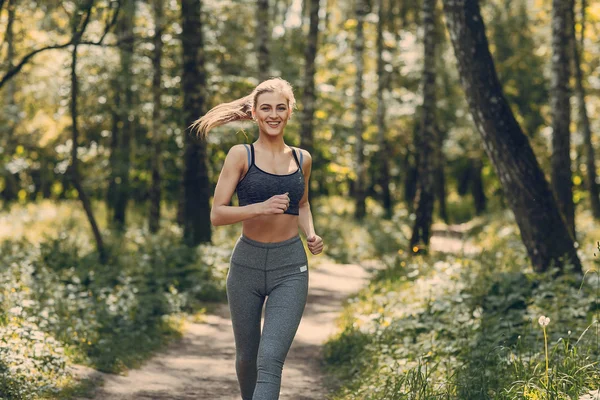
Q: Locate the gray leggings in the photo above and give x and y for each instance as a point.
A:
(257, 270)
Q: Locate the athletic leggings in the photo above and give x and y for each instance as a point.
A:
(257, 270)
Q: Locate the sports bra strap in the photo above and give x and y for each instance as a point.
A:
(248, 151)
(296, 158)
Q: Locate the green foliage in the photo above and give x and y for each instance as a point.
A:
(60, 306)
(466, 327)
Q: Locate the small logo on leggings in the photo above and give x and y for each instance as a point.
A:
(303, 268)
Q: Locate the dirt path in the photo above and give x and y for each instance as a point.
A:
(201, 364)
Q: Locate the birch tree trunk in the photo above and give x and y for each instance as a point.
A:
(427, 140)
(542, 228)
(196, 190)
(562, 183)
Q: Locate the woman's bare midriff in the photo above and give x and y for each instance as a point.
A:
(271, 228)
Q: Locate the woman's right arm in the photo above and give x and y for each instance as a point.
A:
(224, 214)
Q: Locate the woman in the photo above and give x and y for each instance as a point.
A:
(268, 260)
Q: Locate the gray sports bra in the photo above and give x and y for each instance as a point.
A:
(258, 185)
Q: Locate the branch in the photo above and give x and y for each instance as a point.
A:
(77, 35)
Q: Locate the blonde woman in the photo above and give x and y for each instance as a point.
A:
(268, 260)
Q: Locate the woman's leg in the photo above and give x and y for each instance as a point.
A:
(285, 305)
(245, 305)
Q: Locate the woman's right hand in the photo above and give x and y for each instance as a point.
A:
(276, 204)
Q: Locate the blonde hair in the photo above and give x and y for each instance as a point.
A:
(241, 109)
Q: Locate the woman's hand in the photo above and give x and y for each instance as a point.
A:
(315, 244)
(276, 204)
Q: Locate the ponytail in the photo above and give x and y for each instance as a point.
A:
(237, 110)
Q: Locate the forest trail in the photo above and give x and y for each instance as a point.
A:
(201, 364)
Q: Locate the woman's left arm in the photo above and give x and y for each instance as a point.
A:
(305, 219)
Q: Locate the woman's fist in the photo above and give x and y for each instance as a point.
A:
(276, 204)
(315, 244)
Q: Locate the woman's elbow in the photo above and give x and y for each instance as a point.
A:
(214, 218)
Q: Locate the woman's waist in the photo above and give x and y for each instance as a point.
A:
(271, 228)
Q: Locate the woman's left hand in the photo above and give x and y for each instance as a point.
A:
(315, 244)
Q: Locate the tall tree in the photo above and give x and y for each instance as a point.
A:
(155, 192)
(262, 39)
(427, 139)
(78, 27)
(362, 10)
(562, 183)
(123, 122)
(543, 230)
(583, 121)
(308, 96)
(11, 180)
(196, 190)
(382, 85)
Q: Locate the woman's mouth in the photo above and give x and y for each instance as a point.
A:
(273, 124)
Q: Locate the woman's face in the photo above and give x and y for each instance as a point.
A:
(272, 113)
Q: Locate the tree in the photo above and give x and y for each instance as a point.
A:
(123, 123)
(262, 39)
(583, 121)
(308, 96)
(196, 192)
(359, 105)
(155, 188)
(562, 182)
(427, 139)
(382, 85)
(542, 228)
(73, 168)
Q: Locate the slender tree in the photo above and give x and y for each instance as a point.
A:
(262, 38)
(78, 27)
(11, 180)
(196, 190)
(427, 140)
(123, 124)
(562, 183)
(155, 192)
(543, 230)
(359, 106)
(583, 121)
(309, 97)
(382, 85)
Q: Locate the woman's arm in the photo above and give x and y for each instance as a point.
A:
(221, 212)
(305, 218)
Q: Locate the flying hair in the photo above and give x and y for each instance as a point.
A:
(241, 109)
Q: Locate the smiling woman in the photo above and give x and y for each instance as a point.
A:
(271, 180)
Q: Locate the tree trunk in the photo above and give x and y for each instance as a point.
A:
(11, 189)
(155, 193)
(359, 106)
(427, 140)
(477, 186)
(196, 207)
(562, 183)
(262, 39)
(121, 142)
(382, 84)
(440, 181)
(73, 168)
(543, 230)
(583, 121)
(309, 97)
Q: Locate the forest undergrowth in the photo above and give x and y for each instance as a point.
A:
(466, 326)
(59, 306)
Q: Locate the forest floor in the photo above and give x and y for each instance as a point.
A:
(201, 364)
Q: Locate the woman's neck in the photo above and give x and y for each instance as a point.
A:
(272, 144)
